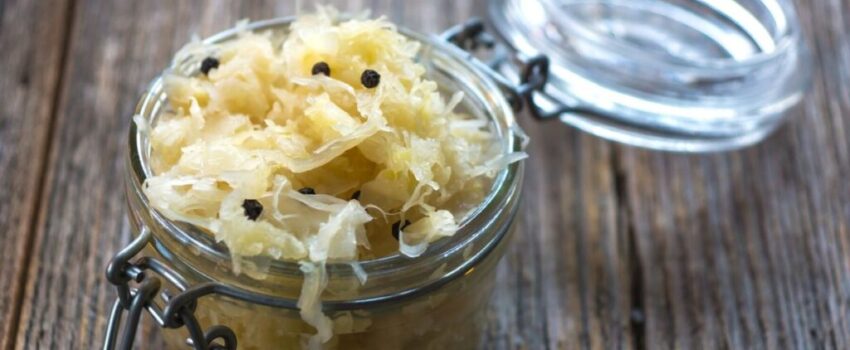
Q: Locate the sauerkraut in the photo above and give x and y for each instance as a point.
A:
(329, 162)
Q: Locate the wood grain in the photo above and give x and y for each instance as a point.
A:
(618, 247)
(116, 48)
(565, 281)
(31, 40)
(748, 250)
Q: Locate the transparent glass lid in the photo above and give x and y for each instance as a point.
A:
(679, 75)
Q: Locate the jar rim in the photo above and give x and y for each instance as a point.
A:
(783, 40)
(506, 182)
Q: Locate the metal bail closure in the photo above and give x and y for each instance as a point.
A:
(533, 71)
(132, 300)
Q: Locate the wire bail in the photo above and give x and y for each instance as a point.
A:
(179, 310)
(533, 72)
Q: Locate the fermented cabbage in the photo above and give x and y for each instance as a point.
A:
(332, 163)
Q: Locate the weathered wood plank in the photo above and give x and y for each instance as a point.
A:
(564, 284)
(31, 40)
(117, 47)
(749, 249)
(618, 247)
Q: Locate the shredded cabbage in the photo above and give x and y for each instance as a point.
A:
(260, 127)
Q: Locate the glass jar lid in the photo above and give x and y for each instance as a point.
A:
(678, 75)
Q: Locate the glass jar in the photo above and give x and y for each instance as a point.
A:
(675, 75)
(437, 300)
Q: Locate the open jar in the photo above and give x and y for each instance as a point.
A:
(188, 282)
(676, 75)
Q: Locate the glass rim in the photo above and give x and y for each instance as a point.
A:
(786, 38)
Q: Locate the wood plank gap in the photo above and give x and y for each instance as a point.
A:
(637, 317)
(581, 257)
(2, 11)
(538, 275)
(44, 160)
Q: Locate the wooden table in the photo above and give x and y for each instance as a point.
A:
(620, 247)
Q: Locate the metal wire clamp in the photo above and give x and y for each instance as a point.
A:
(139, 284)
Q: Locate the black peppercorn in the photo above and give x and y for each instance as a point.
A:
(253, 209)
(208, 64)
(356, 195)
(307, 190)
(321, 68)
(370, 78)
(397, 227)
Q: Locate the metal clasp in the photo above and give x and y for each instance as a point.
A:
(533, 72)
(179, 310)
